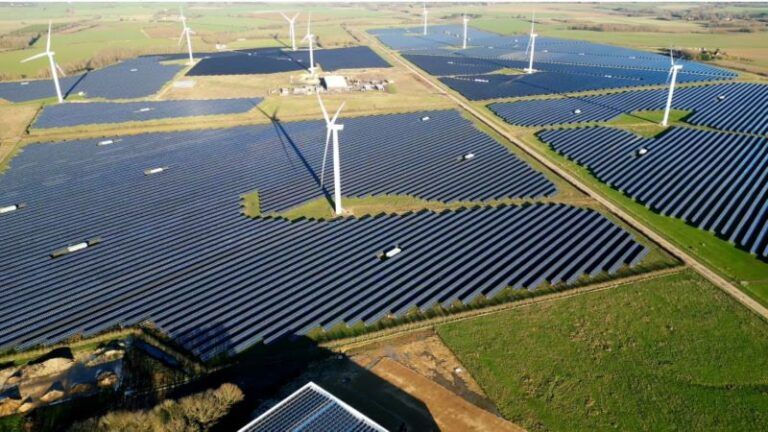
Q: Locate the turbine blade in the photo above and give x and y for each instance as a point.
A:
(335, 116)
(309, 20)
(61, 71)
(183, 32)
(295, 16)
(34, 57)
(285, 16)
(325, 155)
(322, 107)
(671, 57)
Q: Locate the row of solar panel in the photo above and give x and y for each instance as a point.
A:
(376, 160)
(129, 79)
(175, 242)
(270, 60)
(738, 107)
(75, 114)
(251, 281)
(443, 40)
(481, 87)
(547, 59)
(715, 181)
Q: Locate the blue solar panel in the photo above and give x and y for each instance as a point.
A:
(312, 409)
(563, 66)
(271, 60)
(176, 250)
(74, 114)
(135, 78)
(739, 107)
(713, 180)
(359, 57)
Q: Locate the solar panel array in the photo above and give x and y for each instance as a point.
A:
(438, 36)
(713, 180)
(443, 41)
(563, 66)
(176, 250)
(312, 409)
(738, 107)
(272, 60)
(75, 114)
(129, 79)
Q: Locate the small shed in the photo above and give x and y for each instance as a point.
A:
(334, 82)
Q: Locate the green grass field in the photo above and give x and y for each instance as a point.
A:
(672, 353)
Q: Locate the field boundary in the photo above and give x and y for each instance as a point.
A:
(347, 344)
(615, 209)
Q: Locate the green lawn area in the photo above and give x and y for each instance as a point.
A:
(673, 353)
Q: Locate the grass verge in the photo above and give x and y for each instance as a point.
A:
(637, 357)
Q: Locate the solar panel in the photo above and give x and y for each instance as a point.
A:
(738, 107)
(271, 60)
(176, 242)
(715, 181)
(312, 408)
(129, 79)
(75, 114)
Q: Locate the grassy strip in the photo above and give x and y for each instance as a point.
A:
(638, 357)
(506, 296)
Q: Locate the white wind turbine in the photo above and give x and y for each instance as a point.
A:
(332, 130)
(310, 38)
(291, 28)
(55, 68)
(464, 43)
(186, 32)
(672, 78)
(531, 45)
(425, 13)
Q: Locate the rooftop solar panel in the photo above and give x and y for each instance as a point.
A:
(312, 408)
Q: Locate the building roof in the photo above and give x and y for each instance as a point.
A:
(334, 82)
(312, 408)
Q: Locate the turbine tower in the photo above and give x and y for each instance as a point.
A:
(55, 68)
(531, 46)
(310, 38)
(291, 28)
(186, 32)
(672, 78)
(332, 130)
(425, 13)
(464, 43)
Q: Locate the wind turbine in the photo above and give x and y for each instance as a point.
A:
(672, 78)
(466, 20)
(186, 31)
(332, 130)
(425, 12)
(310, 38)
(54, 66)
(531, 45)
(291, 28)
